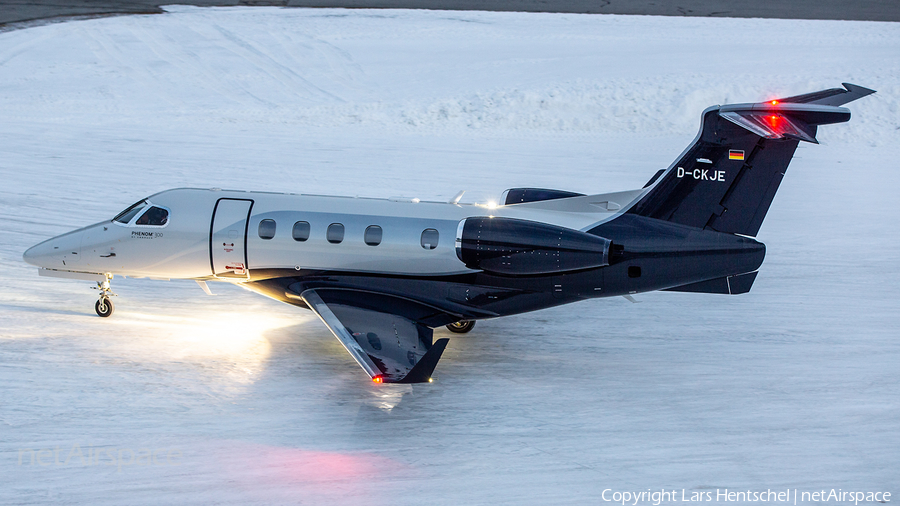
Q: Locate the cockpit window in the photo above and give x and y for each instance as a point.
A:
(126, 215)
(156, 216)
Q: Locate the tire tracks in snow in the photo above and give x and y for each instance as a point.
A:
(271, 67)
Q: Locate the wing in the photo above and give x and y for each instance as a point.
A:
(381, 332)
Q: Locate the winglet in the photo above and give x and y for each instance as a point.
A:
(421, 373)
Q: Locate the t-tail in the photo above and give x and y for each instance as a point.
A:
(694, 229)
(726, 180)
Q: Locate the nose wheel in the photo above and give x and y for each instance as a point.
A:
(104, 305)
(461, 327)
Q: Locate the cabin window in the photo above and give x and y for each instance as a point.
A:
(155, 216)
(373, 235)
(126, 215)
(267, 229)
(430, 238)
(300, 232)
(335, 233)
(634, 271)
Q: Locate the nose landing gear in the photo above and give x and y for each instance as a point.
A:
(104, 306)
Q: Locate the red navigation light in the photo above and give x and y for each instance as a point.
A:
(378, 379)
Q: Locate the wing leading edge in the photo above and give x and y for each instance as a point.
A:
(391, 348)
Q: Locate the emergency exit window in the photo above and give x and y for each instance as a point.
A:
(430, 238)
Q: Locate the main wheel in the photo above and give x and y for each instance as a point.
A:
(461, 327)
(104, 307)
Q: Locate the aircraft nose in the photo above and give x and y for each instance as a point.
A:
(34, 254)
(29, 255)
(57, 253)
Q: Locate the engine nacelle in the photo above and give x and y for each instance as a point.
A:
(525, 195)
(520, 247)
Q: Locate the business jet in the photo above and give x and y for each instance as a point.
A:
(381, 274)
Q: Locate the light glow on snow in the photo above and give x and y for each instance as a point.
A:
(320, 477)
(230, 345)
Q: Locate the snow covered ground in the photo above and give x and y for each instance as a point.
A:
(181, 398)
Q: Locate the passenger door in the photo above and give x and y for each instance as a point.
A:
(228, 238)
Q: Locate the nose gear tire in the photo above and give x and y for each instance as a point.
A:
(104, 307)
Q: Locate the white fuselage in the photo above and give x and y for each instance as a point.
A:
(214, 233)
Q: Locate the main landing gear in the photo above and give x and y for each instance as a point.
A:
(461, 327)
(104, 306)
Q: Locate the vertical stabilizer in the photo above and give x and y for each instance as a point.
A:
(727, 179)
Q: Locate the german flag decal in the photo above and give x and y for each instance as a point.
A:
(735, 154)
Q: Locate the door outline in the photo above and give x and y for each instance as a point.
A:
(212, 223)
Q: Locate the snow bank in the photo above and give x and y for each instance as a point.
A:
(425, 71)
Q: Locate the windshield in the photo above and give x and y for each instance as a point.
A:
(154, 216)
(126, 215)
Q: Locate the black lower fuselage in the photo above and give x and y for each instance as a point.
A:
(646, 255)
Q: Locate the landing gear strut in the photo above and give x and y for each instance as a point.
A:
(461, 327)
(104, 306)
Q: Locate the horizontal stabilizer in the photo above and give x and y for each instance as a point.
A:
(795, 117)
(775, 120)
(729, 285)
(833, 96)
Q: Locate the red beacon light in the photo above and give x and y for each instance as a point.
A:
(378, 379)
(773, 102)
